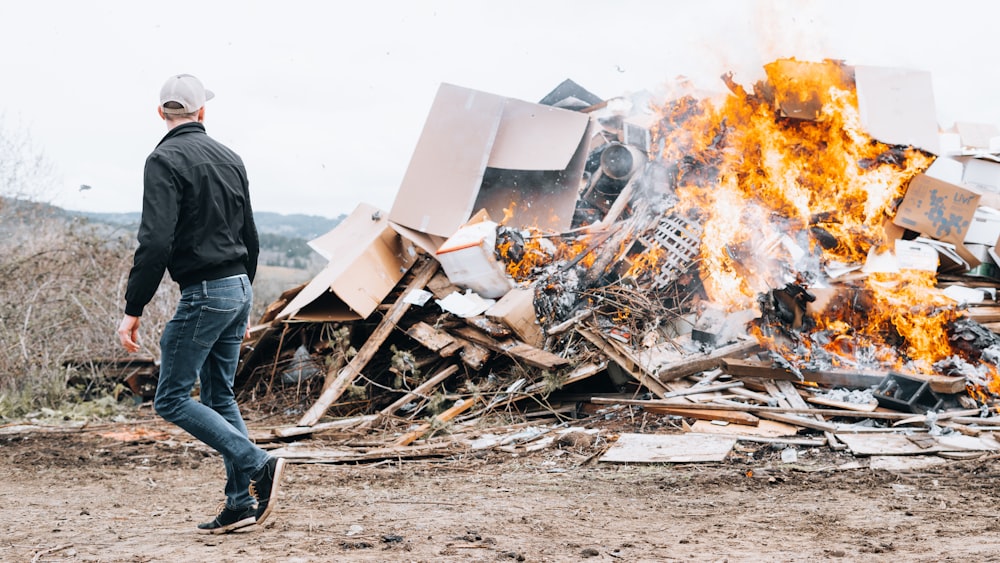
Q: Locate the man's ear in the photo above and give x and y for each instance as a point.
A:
(201, 114)
(159, 110)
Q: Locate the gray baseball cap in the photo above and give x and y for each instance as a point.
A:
(186, 90)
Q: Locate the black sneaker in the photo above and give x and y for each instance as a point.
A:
(264, 487)
(230, 519)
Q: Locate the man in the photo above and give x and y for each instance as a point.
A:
(197, 223)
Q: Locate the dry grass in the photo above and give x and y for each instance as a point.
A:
(62, 293)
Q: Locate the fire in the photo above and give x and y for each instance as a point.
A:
(535, 249)
(786, 180)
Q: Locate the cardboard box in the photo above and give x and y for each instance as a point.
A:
(469, 260)
(517, 311)
(368, 258)
(937, 209)
(897, 106)
(483, 151)
(983, 173)
(984, 228)
(977, 136)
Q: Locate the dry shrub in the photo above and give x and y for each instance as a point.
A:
(62, 285)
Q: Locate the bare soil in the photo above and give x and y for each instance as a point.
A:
(89, 496)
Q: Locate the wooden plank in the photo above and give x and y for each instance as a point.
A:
(458, 408)
(763, 429)
(420, 391)
(344, 423)
(734, 417)
(431, 338)
(346, 376)
(513, 348)
(668, 448)
(350, 455)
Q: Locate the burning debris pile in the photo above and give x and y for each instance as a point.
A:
(813, 239)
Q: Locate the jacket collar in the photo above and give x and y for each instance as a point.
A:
(183, 129)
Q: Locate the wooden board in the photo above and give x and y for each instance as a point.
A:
(431, 338)
(833, 378)
(897, 444)
(763, 429)
(668, 448)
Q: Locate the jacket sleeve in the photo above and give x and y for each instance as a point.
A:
(160, 207)
(250, 238)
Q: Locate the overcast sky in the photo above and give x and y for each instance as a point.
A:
(325, 100)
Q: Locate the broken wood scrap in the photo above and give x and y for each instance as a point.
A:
(346, 376)
(433, 339)
(341, 424)
(420, 391)
(458, 408)
(353, 455)
(514, 348)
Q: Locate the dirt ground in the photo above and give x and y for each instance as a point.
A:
(90, 496)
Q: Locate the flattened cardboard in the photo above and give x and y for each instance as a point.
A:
(368, 258)
(480, 150)
(897, 106)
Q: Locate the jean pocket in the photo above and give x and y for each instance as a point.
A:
(217, 324)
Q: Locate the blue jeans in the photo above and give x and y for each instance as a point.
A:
(202, 342)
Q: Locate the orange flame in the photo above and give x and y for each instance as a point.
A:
(785, 179)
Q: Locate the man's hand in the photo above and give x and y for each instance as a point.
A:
(128, 333)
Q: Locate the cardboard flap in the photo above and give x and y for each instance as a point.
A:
(462, 157)
(447, 165)
(351, 235)
(897, 106)
(369, 258)
(536, 137)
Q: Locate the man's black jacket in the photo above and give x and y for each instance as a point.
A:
(197, 221)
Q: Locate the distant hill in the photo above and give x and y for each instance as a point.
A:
(283, 238)
(295, 226)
